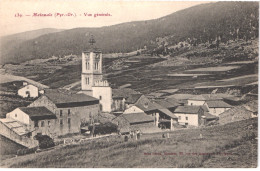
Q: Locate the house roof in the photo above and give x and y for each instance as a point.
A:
(187, 109)
(123, 92)
(218, 104)
(181, 96)
(58, 96)
(209, 116)
(205, 97)
(137, 118)
(15, 126)
(133, 98)
(167, 103)
(38, 113)
(168, 113)
(150, 107)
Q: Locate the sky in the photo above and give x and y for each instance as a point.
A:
(18, 15)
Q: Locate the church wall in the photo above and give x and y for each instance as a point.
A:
(104, 94)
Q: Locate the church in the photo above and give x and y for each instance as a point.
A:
(92, 82)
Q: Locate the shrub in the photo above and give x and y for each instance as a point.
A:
(45, 141)
(104, 128)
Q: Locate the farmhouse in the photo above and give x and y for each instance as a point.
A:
(36, 120)
(72, 110)
(119, 97)
(189, 115)
(200, 100)
(217, 107)
(28, 91)
(237, 113)
(163, 117)
(136, 122)
(17, 132)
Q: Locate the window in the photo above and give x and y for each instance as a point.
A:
(186, 118)
(61, 122)
(87, 80)
(42, 123)
(49, 122)
(179, 117)
(15, 115)
(68, 111)
(100, 97)
(36, 124)
(60, 113)
(191, 104)
(69, 121)
(87, 65)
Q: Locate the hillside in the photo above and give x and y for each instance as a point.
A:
(202, 23)
(231, 145)
(12, 42)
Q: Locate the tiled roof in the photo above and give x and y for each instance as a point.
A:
(167, 103)
(38, 113)
(64, 96)
(15, 126)
(187, 109)
(205, 97)
(137, 118)
(181, 96)
(218, 104)
(150, 107)
(209, 116)
(133, 98)
(168, 113)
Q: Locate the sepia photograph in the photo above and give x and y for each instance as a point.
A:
(129, 84)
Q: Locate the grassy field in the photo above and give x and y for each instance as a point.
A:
(231, 145)
(152, 73)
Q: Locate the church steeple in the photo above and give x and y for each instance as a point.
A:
(92, 82)
(91, 66)
(92, 41)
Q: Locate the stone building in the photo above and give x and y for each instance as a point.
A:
(72, 110)
(35, 120)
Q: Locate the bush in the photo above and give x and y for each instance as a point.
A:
(44, 141)
(104, 128)
(26, 151)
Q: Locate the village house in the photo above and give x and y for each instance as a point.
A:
(133, 122)
(17, 132)
(72, 110)
(163, 117)
(28, 90)
(217, 107)
(189, 115)
(119, 97)
(36, 120)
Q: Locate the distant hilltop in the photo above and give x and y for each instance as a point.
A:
(199, 24)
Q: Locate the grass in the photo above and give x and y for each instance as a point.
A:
(184, 148)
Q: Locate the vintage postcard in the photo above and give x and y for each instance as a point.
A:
(128, 84)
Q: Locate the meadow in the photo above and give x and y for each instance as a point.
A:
(185, 148)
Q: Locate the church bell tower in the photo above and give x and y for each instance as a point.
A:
(91, 67)
(92, 82)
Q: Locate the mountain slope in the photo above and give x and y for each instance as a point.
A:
(204, 22)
